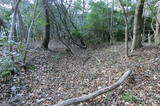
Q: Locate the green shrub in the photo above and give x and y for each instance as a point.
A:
(6, 64)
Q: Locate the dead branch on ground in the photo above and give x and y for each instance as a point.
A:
(92, 95)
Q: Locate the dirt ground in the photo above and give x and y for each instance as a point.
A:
(58, 75)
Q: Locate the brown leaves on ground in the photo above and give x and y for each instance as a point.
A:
(57, 76)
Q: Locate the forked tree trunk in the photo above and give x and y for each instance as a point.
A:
(47, 27)
(157, 33)
(137, 27)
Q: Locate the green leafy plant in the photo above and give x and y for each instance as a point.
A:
(129, 97)
(32, 67)
(5, 66)
(6, 63)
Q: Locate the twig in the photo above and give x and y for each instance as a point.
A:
(99, 61)
(92, 95)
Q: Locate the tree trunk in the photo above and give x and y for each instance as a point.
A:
(137, 25)
(157, 33)
(23, 32)
(29, 31)
(111, 27)
(13, 22)
(15, 37)
(47, 27)
(126, 29)
(149, 38)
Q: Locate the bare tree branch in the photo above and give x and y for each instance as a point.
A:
(154, 14)
(29, 31)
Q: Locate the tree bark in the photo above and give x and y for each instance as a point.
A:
(47, 27)
(94, 94)
(137, 27)
(157, 33)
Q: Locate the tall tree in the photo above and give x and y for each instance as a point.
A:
(126, 28)
(23, 32)
(157, 33)
(47, 26)
(136, 43)
(30, 30)
(111, 26)
(13, 22)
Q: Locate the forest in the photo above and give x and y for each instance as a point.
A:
(79, 53)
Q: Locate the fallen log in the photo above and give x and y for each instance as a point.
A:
(92, 95)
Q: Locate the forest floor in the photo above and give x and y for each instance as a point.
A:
(56, 76)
